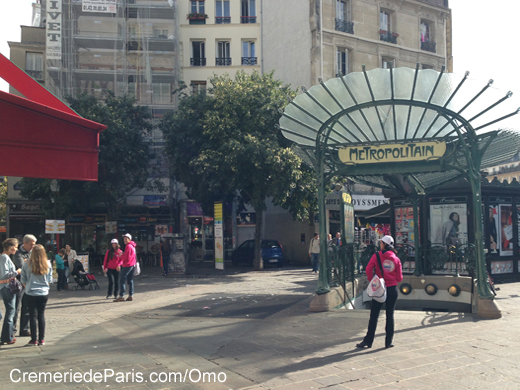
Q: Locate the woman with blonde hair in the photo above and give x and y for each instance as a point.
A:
(37, 277)
(8, 271)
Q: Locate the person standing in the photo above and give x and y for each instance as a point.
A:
(112, 258)
(60, 269)
(393, 274)
(37, 277)
(71, 256)
(7, 272)
(165, 253)
(19, 259)
(126, 268)
(314, 252)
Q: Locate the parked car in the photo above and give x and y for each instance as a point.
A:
(272, 253)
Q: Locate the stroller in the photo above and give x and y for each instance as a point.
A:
(82, 278)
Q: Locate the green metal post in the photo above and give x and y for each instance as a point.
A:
(323, 280)
(419, 269)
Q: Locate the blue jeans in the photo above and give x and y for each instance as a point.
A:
(166, 264)
(126, 275)
(315, 261)
(61, 279)
(113, 281)
(10, 309)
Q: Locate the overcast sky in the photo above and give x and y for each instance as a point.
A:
(484, 38)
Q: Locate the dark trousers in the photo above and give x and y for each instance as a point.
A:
(21, 307)
(36, 313)
(166, 264)
(113, 281)
(61, 279)
(391, 300)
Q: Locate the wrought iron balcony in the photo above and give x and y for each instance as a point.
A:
(387, 36)
(248, 19)
(429, 46)
(222, 19)
(344, 26)
(223, 61)
(249, 61)
(198, 62)
(35, 74)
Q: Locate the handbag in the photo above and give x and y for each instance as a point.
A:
(137, 269)
(15, 286)
(377, 287)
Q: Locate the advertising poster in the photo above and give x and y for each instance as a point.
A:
(492, 229)
(54, 226)
(161, 230)
(506, 229)
(84, 261)
(105, 6)
(219, 237)
(448, 224)
(404, 227)
(53, 30)
(111, 227)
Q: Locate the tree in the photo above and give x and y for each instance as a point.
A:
(124, 158)
(226, 145)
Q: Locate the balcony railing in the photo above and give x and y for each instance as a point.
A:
(35, 74)
(223, 61)
(248, 19)
(222, 19)
(249, 61)
(344, 26)
(429, 46)
(198, 62)
(387, 36)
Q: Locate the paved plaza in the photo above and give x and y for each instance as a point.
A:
(253, 330)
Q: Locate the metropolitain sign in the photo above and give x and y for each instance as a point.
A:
(412, 151)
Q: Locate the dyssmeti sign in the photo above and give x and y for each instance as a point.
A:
(412, 151)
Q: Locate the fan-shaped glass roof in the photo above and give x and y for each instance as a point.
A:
(389, 106)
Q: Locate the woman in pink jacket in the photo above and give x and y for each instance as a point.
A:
(112, 258)
(392, 276)
(126, 269)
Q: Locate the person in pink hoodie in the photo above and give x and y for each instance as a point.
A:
(126, 267)
(393, 274)
(110, 267)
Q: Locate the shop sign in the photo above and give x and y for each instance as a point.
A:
(53, 30)
(87, 219)
(54, 226)
(193, 209)
(359, 201)
(448, 199)
(111, 227)
(372, 154)
(154, 200)
(219, 236)
(25, 208)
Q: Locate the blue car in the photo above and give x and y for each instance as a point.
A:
(272, 253)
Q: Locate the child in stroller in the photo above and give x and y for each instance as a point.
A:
(82, 278)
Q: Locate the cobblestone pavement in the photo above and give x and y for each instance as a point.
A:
(253, 330)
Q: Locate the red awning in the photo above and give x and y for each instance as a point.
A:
(42, 137)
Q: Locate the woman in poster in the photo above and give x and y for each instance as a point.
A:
(492, 230)
(450, 230)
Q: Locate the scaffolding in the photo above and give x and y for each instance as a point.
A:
(134, 50)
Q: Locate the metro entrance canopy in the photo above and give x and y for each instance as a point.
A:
(405, 130)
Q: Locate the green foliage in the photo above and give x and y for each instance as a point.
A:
(225, 144)
(124, 158)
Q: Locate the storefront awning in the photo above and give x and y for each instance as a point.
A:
(40, 136)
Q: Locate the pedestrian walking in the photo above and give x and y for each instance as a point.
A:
(60, 269)
(8, 272)
(393, 274)
(126, 269)
(314, 252)
(37, 277)
(19, 259)
(112, 258)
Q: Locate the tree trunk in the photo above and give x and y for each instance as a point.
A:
(258, 262)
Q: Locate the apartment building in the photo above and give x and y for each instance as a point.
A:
(218, 37)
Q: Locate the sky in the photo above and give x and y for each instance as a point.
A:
(484, 37)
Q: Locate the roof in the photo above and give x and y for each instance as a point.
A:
(400, 106)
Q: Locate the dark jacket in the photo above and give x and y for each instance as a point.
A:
(20, 257)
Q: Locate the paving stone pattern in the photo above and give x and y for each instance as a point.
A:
(255, 330)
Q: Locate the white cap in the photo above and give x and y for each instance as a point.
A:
(128, 235)
(388, 240)
(114, 241)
